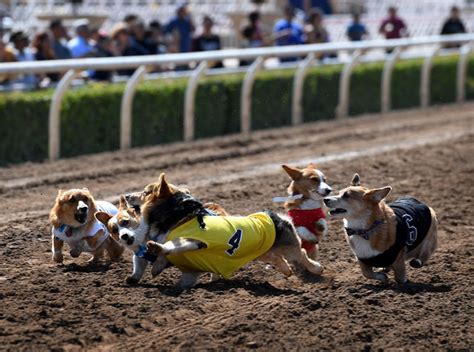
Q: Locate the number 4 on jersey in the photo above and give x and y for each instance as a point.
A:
(234, 242)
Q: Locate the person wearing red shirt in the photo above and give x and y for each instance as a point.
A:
(393, 26)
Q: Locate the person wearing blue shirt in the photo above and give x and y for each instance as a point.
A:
(79, 46)
(288, 32)
(356, 31)
(183, 25)
(306, 5)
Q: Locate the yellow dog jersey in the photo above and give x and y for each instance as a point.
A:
(232, 242)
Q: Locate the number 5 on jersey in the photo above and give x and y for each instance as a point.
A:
(234, 242)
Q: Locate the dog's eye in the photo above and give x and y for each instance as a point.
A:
(72, 199)
(124, 222)
(114, 228)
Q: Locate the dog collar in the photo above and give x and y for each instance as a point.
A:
(365, 234)
(143, 253)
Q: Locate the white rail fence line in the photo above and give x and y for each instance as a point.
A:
(144, 64)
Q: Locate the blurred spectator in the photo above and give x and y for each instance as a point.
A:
(143, 44)
(130, 18)
(6, 55)
(103, 48)
(23, 53)
(288, 32)
(59, 33)
(253, 32)
(356, 31)
(181, 27)
(79, 45)
(125, 45)
(44, 51)
(393, 26)
(307, 5)
(155, 34)
(207, 40)
(453, 24)
(314, 29)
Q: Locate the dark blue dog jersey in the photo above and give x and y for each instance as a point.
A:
(413, 222)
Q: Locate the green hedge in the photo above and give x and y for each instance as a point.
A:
(90, 115)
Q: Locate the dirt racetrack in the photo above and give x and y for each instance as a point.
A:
(429, 155)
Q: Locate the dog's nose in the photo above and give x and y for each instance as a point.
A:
(328, 190)
(326, 201)
(127, 197)
(124, 237)
(82, 209)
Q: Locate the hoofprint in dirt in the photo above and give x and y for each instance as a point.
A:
(45, 306)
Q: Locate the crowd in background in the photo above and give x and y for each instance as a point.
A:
(133, 37)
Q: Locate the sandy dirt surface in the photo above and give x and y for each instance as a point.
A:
(77, 306)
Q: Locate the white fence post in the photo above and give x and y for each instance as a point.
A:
(461, 72)
(425, 86)
(54, 128)
(189, 101)
(127, 104)
(344, 85)
(298, 83)
(386, 89)
(246, 96)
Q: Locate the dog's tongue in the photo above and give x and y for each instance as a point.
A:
(68, 232)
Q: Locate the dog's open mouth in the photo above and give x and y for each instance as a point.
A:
(336, 211)
(81, 217)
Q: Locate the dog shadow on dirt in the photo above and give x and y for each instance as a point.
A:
(87, 268)
(410, 287)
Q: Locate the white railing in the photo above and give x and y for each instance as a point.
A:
(143, 64)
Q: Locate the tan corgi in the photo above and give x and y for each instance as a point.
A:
(304, 205)
(73, 222)
(384, 235)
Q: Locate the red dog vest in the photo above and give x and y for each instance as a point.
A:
(307, 218)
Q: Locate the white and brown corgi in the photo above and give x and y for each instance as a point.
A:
(195, 242)
(304, 205)
(73, 222)
(129, 229)
(384, 235)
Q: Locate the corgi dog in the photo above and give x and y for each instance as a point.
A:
(385, 235)
(304, 205)
(129, 229)
(195, 242)
(73, 222)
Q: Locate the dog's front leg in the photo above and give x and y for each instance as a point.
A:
(400, 270)
(174, 247)
(188, 280)
(369, 273)
(159, 265)
(139, 266)
(57, 249)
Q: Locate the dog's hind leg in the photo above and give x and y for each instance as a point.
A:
(174, 247)
(159, 265)
(427, 247)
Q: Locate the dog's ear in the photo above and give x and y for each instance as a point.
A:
(123, 202)
(163, 189)
(294, 173)
(377, 194)
(355, 180)
(103, 217)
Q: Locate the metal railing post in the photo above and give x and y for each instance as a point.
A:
(54, 128)
(298, 83)
(127, 104)
(189, 100)
(386, 89)
(246, 95)
(461, 72)
(344, 85)
(425, 89)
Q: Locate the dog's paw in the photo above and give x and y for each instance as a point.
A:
(131, 280)
(58, 257)
(316, 268)
(416, 263)
(382, 277)
(154, 248)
